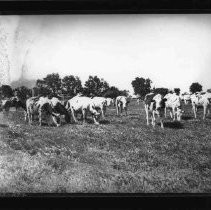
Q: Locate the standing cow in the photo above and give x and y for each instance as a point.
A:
(201, 100)
(121, 104)
(154, 105)
(173, 104)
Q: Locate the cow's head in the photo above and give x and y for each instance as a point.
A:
(159, 102)
(124, 103)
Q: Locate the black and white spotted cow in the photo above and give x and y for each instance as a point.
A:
(154, 105)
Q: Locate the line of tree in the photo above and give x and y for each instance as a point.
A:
(142, 86)
(68, 86)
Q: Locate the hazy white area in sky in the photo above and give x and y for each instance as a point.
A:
(172, 50)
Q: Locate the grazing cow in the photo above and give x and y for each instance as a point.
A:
(84, 105)
(101, 104)
(201, 100)
(154, 105)
(121, 104)
(40, 105)
(173, 104)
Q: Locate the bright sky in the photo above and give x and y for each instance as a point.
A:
(172, 50)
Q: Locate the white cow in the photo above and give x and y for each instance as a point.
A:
(121, 104)
(82, 104)
(40, 106)
(201, 100)
(154, 105)
(173, 104)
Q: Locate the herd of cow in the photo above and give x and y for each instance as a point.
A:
(156, 105)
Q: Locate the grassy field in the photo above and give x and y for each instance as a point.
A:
(122, 154)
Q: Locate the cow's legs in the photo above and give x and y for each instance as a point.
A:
(194, 110)
(147, 114)
(125, 111)
(73, 115)
(84, 115)
(174, 114)
(29, 114)
(55, 121)
(205, 110)
(102, 112)
(25, 116)
(40, 117)
(153, 119)
(95, 121)
(161, 122)
(117, 109)
(208, 111)
(165, 111)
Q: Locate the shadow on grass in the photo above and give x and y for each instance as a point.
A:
(134, 114)
(104, 122)
(4, 125)
(175, 125)
(186, 118)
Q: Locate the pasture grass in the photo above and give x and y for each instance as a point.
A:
(121, 155)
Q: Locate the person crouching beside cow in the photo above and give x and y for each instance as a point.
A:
(60, 109)
(154, 105)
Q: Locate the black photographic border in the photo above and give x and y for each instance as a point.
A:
(82, 201)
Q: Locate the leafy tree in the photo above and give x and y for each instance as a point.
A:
(23, 92)
(95, 86)
(124, 93)
(6, 91)
(177, 91)
(41, 88)
(141, 86)
(195, 87)
(162, 91)
(71, 85)
(112, 92)
(53, 82)
(209, 90)
(40, 83)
